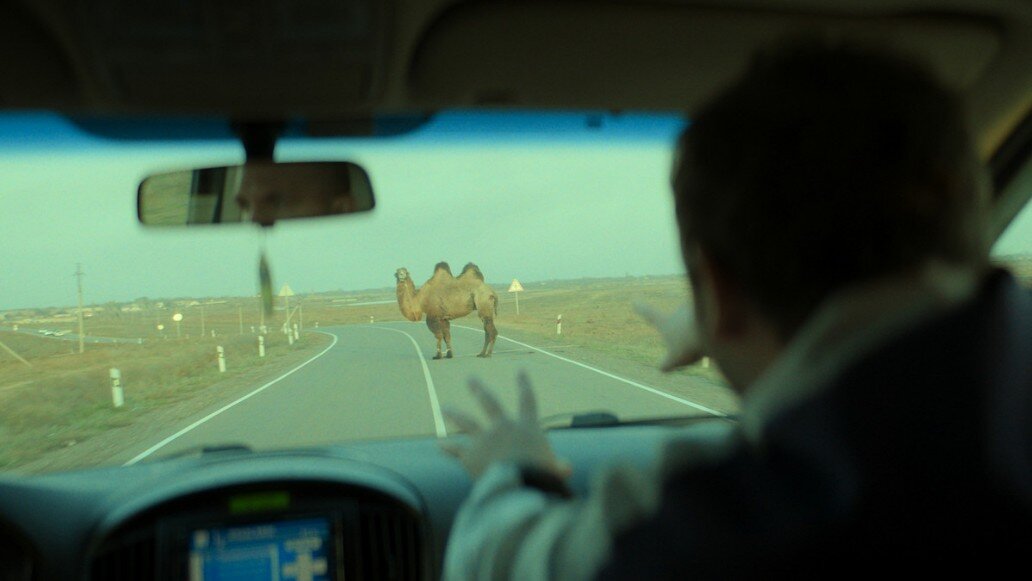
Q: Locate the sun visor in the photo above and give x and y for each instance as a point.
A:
(649, 55)
(254, 59)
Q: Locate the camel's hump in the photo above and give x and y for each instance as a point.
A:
(442, 266)
(472, 267)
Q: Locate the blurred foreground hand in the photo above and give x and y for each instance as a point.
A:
(518, 440)
(679, 331)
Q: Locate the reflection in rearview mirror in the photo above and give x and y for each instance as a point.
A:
(258, 192)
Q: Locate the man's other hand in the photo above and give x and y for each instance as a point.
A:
(679, 331)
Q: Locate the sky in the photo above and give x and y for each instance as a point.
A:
(535, 198)
(553, 199)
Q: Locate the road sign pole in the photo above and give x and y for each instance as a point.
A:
(559, 325)
(78, 277)
(517, 303)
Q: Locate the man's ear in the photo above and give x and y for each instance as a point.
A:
(727, 310)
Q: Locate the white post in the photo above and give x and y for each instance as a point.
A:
(117, 394)
(222, 358)
(705, 362)
(517, 303)
(261, 346)
(559, 325)
(290, 337)
(297, 333)
(370, 318)
(213, 333)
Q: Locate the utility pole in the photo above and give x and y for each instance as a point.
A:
(240, 313)
(78, 277)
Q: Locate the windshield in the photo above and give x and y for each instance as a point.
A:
(568, 218)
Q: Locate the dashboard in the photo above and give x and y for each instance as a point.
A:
(365, 510)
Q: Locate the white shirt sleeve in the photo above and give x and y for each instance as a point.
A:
(505, 530)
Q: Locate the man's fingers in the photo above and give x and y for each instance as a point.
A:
(677, 360)
(464, 422)
(528, 403)
(492, 408)
(650, 313)
(453, 449)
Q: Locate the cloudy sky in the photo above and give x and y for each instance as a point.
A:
(534, 198)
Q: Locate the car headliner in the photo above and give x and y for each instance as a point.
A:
(337, 64)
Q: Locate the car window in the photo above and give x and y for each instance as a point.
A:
(1013, 249)
(568, 217)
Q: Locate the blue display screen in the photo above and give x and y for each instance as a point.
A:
(290, 550)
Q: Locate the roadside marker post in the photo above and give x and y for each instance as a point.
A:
(559, 325)
(222, 358)
(117, 393)
(261, 346)
(297, 333)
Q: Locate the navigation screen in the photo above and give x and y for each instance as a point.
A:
(290, 550)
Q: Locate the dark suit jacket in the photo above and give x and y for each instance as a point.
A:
(918, 458)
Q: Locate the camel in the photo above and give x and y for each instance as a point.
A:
(445, 297)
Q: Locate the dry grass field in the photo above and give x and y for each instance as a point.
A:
(64, 398)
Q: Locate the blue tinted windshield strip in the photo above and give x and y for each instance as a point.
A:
(40, 129)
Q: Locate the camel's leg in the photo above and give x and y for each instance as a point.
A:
(435, 326)
(490, 334)
(446, 330)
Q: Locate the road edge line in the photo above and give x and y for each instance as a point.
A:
(647, 388)
(187, 429)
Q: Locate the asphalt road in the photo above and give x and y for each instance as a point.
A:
(378, 381)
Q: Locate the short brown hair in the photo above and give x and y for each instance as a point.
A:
(825, 166)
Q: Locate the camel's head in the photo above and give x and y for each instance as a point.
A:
(401, 274)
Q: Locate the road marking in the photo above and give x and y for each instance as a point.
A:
(607, 374)
(176, 435)
(435, 406)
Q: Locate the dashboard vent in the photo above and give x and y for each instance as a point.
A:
(391, 547)
(130, 557)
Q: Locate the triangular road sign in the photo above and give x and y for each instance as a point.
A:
(286, 291)
(515, 287)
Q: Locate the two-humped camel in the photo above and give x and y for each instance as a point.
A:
(445, 297)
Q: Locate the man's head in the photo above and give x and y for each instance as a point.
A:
(819, 169)
(272, 191)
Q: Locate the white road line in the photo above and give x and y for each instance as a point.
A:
(607, 374)
(435, 406)
(171, 438)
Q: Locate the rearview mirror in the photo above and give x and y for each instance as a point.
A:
(258, 192)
